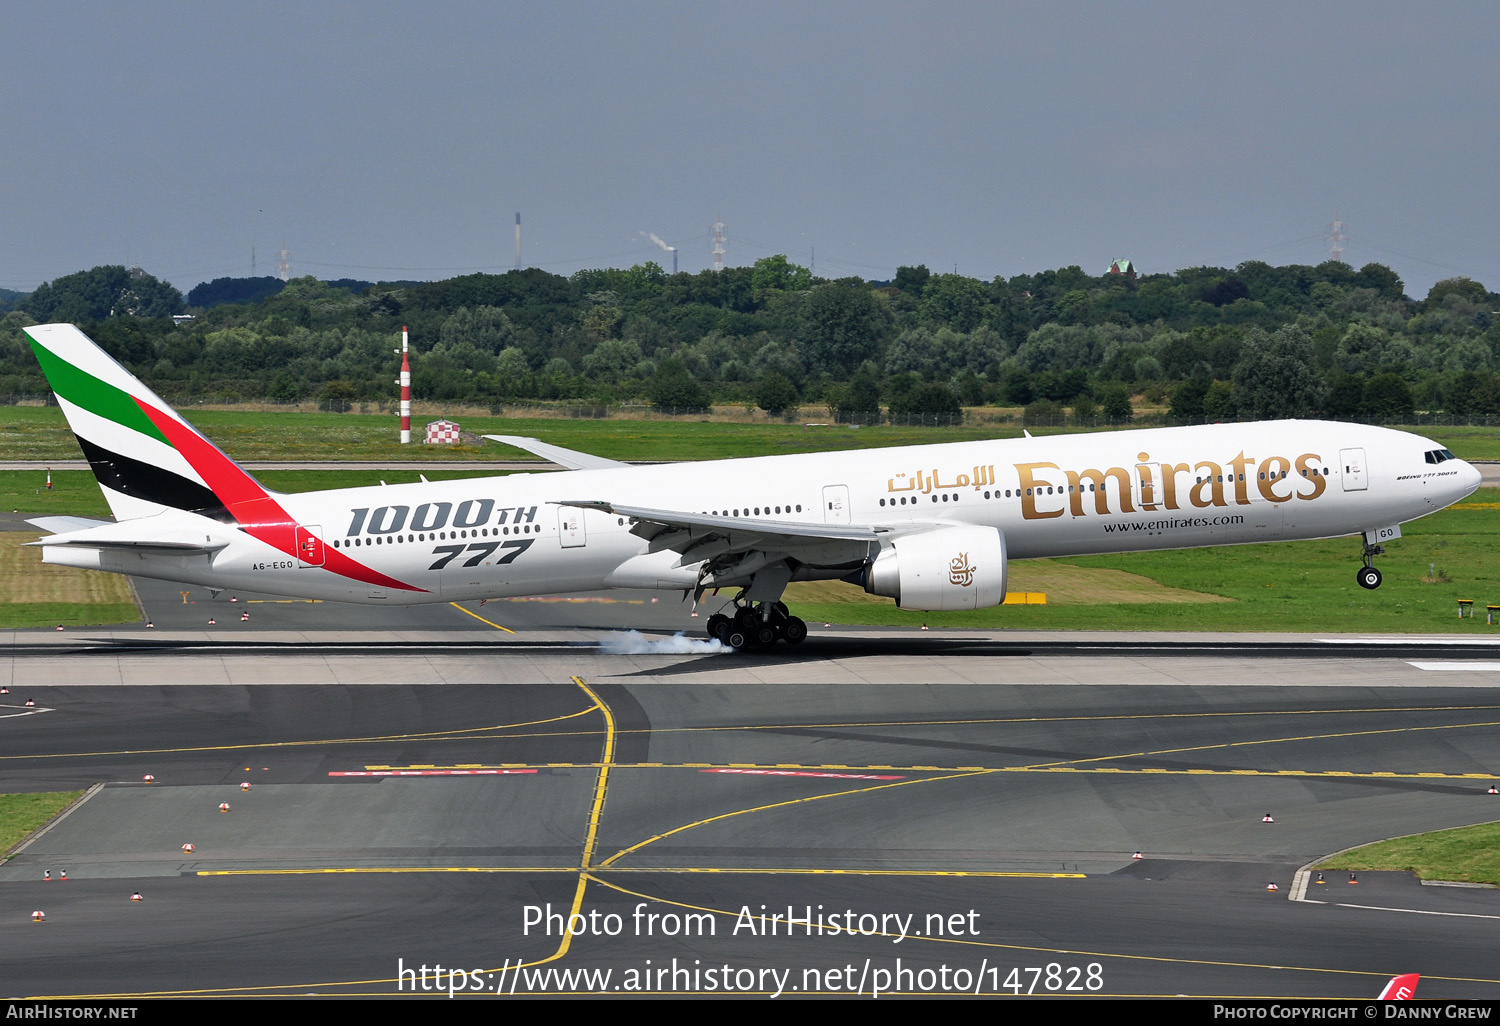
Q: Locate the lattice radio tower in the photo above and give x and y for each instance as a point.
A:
(719, 240)
(1336, 237)
(284, 267)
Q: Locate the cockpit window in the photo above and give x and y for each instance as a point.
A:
(1438, 456)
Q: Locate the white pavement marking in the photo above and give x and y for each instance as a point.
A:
(1473, 665)
(24, 711)
(1416, 639)
(1413, 911)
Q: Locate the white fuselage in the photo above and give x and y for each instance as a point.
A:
(1060, 495)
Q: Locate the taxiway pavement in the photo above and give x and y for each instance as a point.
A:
(970, 803)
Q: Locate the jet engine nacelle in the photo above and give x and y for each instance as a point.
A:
(949, 568)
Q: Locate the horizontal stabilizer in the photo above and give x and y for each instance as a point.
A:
(568, 459)
(139, 535)
(62, 525)
(137, 545)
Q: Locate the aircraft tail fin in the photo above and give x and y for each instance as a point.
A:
(1400, 988)
(144, 455)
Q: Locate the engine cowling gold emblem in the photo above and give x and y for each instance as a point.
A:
(960, 570)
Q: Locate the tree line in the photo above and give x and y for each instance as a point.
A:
(1206, 343)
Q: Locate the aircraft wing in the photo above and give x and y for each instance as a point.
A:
(568, 459)
(735, 550)
(653, 524)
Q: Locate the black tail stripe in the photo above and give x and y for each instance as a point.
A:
(142, 480)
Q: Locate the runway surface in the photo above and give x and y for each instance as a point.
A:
(942, 812)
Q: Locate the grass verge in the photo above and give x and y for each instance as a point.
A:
(21, 814)
(41, 433)
(1467, 855)
(33, 594)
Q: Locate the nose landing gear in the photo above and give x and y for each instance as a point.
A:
(1367, 576)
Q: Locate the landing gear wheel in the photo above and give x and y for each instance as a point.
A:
(734, 636)
(1368, 577)
(764, 635)
(794, 631)
(718, 626)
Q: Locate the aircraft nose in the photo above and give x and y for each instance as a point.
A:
(1472, 478)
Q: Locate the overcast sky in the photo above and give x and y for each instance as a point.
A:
(398, 140)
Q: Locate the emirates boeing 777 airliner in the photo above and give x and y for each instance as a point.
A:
(931, 526)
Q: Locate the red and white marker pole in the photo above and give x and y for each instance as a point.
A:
(405, 392)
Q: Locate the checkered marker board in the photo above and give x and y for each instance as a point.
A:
(442, 432)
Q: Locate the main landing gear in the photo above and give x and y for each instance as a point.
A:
(761, 626)
(1367, 576)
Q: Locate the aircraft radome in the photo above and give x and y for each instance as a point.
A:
(931, 526)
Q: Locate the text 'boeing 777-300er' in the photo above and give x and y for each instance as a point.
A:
(930, 526)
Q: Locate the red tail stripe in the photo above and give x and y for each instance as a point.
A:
(259, 515)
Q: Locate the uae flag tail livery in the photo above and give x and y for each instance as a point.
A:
(173, 492)
(146, 457)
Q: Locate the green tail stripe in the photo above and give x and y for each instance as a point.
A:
(98, 397)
